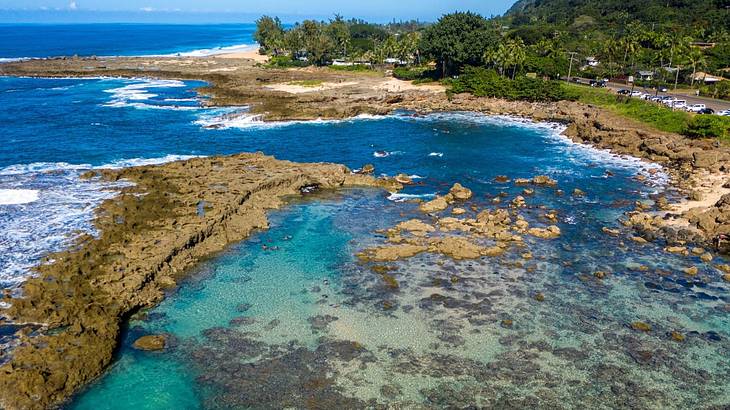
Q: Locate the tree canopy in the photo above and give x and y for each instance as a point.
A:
(457, 40)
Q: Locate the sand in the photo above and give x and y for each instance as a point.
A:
(294, 88)
(395, 85)
(250, 54)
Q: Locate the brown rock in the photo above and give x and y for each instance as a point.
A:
(367, 169)
(460, 193)
(150, 343)
(551, 232)
(403, 179)
(641, 326)
(692, 271)
(436, 205)
(544, 180)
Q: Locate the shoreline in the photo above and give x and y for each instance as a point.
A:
(174, 215)
(95, 331)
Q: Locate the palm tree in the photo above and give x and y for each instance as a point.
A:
(517, 54)
(610, 50)
(697, 58)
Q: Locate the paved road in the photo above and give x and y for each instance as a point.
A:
(717, 105)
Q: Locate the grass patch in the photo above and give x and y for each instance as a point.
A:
(307, 83)
(356, 67)
(657, 116)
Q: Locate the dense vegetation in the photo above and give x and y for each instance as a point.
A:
(518, 55)
(320, 42)
(484, 82)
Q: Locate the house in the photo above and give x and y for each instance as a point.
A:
(646, 75)
(707, 78)
(592, 62)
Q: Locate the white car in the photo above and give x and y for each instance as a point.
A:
(668, 101)
(725, 113)
(679, 104)
(636, 93)
(696, 107)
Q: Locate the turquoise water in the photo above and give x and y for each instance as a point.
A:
(291, 319)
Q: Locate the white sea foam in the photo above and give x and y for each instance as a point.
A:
(18, 196)
(133, 95)
(62, 206)
(436, 154)
(206, 52)
(399, 197)
(240, 118)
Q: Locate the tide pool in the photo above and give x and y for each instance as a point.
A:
(291, 318)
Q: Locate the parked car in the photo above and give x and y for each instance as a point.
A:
(668, 101)
(623, 92)
(679, 104)
(663, 89)
(598, 83)
(724, 113)
(696, 107)
(636, 94)
(706, 111)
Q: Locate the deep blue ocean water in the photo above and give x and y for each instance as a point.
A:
(50, 40)
(290, 319)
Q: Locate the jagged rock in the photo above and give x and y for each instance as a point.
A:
(435, 205)
(551, 232)
(544, 180)
(458, 211)
(578, 193)
(460, 193)
(415, 227)
(367, 169)
(404, 179)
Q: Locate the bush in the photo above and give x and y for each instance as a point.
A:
(708, 126)
(285, 62)
(421, 74)
(487, 83)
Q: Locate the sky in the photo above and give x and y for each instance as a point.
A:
(223, 10)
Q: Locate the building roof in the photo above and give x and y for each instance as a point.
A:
(708, 78)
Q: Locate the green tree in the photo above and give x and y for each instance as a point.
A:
(517, 54)
(340, 34)
(457, 40)
(269, 34)
(696, 57)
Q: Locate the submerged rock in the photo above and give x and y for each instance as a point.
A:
(544, 180)
(150, 343)
(641, 326)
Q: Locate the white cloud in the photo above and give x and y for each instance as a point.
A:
(147, 9)
(73, 5)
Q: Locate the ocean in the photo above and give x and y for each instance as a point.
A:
(50, 40)
(291, 319)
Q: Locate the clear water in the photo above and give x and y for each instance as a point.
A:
(290, 319)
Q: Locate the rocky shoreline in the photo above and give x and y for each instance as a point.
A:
(172, 217)
(179, 213)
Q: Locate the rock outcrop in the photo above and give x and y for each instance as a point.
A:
(149, 235)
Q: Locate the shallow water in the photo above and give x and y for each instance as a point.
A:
(290, 319)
